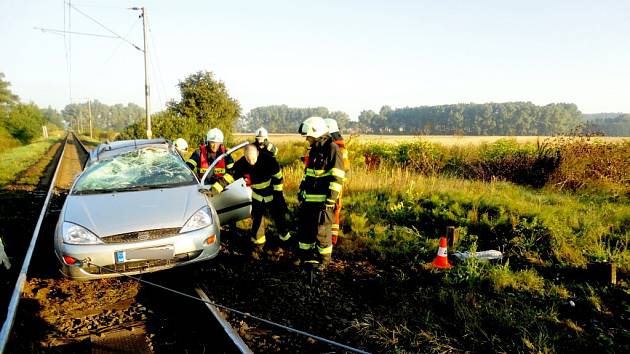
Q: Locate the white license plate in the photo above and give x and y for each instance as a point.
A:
(161, 252)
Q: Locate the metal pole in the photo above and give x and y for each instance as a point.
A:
(147, 101)
(90, 116)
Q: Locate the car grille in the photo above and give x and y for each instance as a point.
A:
(142, 265)
(141, 236)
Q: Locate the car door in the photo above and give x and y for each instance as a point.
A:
(235, 201)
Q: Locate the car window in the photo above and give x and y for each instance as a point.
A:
(141, 169)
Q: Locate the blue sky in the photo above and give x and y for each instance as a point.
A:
(344, 55)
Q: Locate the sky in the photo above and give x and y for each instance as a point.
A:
(347, 55)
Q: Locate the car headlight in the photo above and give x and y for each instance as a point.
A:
(198, 221)
(78, 235)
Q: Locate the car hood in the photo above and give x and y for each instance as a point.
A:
(117, 213)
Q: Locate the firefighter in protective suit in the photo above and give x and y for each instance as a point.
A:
(266, 183)
(203, 157)
(333, 129)
(263, 144)
(318, 194)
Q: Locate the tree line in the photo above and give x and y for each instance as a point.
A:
(509, 118)
(284, 119)
(618, 125)
(21, 123)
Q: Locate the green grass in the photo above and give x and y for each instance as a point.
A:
(7, 141)
(393, 216)
(15, 160)
(398, 211)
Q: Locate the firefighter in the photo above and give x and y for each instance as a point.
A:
(263, 144)
(333, 129)
(203, 157)
(318, 194)
(266, 183)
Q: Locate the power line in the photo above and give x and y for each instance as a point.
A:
(105, 27)
(131, 28)
(62, 32)
(70, 49)
(278, 325)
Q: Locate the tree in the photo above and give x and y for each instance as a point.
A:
(52, 116)
(7, 97)
(206, 101)
(24, 122)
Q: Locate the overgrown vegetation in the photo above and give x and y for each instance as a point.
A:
(501, 196)
(562, 163)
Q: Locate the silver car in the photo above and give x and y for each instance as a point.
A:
(138, 208)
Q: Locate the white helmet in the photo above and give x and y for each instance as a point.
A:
(262, 133)
(314, 127)
(181, 144)
(332, 125)
(215, 135)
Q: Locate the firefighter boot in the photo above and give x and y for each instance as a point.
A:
(324, 263)
(257, 252)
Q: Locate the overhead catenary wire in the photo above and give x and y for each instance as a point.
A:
(105, 27)
(68, 44)
(131, 28)
(63, 32)
(271, 323)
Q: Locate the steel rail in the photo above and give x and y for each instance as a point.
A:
(236, 339)
(19, 285)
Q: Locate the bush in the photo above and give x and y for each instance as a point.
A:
(7, 141)
(593, 166)
(24, 122)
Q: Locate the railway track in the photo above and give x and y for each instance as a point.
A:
(49, 313)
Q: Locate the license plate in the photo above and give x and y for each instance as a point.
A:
(120, 257)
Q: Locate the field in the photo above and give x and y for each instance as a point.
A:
(550, 228)
(395, 139)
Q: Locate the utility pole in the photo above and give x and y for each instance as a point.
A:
(147, 100)
(90, 117)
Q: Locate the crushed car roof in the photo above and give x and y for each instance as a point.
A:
(114, 148)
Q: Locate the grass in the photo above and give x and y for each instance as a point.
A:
(445, 140)
(7, 141)
(394, 216)
(17, 159)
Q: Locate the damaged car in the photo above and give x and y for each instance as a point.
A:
(138, 208)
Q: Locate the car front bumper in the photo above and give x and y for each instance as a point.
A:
(101, 261)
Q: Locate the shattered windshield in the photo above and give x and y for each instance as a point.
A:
(141, 169)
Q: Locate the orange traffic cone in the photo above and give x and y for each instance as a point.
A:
(441, 260)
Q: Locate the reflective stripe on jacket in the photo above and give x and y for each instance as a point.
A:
(266, 177)
(324, 172)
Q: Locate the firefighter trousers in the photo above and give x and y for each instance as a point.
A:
(314, 235)
(336, 224)
(277, 210)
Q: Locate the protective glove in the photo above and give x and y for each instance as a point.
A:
(211, 192)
